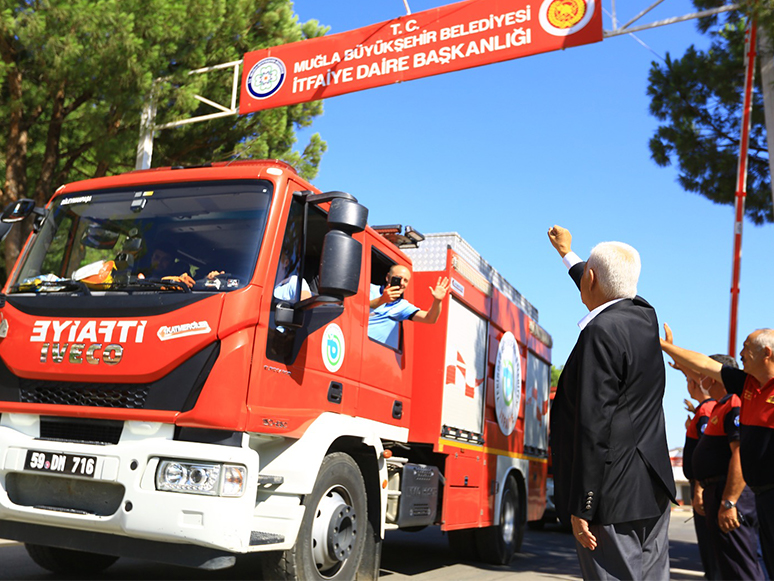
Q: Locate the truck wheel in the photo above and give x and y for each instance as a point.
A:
(497, 544)
(463, 544)
(333, 531)
(68, 562)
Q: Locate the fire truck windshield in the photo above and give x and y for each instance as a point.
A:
(200, 237)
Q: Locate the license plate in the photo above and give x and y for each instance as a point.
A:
(59, 463)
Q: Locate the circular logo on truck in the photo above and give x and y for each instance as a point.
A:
(565, 17)
(333, 347)
(266, 78)
(507, 383)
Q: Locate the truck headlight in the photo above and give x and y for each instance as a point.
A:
(201, 478)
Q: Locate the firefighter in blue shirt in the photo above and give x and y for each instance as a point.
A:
(389, 308)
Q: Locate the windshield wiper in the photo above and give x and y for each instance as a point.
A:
(53, 286)
(149, 284)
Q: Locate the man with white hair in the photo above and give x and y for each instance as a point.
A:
(612, 474)
(755, 386)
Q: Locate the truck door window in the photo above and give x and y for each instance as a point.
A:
(383, 328)
(292, 252)
(289, 269)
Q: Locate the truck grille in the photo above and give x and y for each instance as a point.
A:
(87, 431)
(178, 390)
(113, 395)
(64, 494)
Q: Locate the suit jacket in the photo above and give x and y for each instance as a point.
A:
(610, 457)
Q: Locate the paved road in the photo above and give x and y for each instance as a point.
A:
(422, 556)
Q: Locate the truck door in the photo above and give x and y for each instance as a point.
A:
(297, 376)
(385, 393)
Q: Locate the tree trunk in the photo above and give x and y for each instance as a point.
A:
(16, 161)
(44, 187)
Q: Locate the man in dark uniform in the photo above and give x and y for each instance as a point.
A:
(695, 427)
(729, 505)
(755, 387)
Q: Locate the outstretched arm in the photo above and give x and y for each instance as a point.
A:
(561, 239)
(439, 293)
(690, 360)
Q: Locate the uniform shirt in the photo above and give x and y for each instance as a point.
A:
(384, 321)
(713, 452)
(756, 423)
(694, 432)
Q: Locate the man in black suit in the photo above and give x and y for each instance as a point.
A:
(612, 474)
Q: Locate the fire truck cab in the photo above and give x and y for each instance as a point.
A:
(186, 375)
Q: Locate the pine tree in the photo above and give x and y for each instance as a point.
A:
(699, 99)
(75, 74)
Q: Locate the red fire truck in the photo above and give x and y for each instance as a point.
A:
(186, 376)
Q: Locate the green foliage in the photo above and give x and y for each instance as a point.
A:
(555, 373)
(699, 99)
(75, 74)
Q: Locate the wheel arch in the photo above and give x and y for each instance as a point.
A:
(519, 470)
(368, 456)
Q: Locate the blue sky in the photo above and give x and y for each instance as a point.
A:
(501, 153)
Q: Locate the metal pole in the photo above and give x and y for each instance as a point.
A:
(766, 57)
(741, 181)
(145, 145)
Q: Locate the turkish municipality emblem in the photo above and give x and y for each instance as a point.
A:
(565, 17)
(507, 383)
(333, 347)
(266, 78)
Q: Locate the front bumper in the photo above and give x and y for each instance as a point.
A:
(120, 501)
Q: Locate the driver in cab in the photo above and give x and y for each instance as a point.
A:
(163, 259)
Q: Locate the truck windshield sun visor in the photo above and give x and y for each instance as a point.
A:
(201, 237)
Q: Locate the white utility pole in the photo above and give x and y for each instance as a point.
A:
(148, 120)
(766, 57)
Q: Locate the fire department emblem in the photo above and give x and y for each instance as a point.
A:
(565, 17)
(333, 347)
(266, 77)
(507, 383)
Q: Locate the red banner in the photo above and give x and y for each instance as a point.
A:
(440, 40)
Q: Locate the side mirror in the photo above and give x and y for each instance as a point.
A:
(17, 211)
(341, 256)
(340, 265)
(347, 216)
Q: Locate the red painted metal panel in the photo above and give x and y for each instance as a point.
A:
(461, 508)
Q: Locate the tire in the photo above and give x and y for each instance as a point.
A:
(332, 537)
(67, 561)
(497, 544)
(462, 542)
